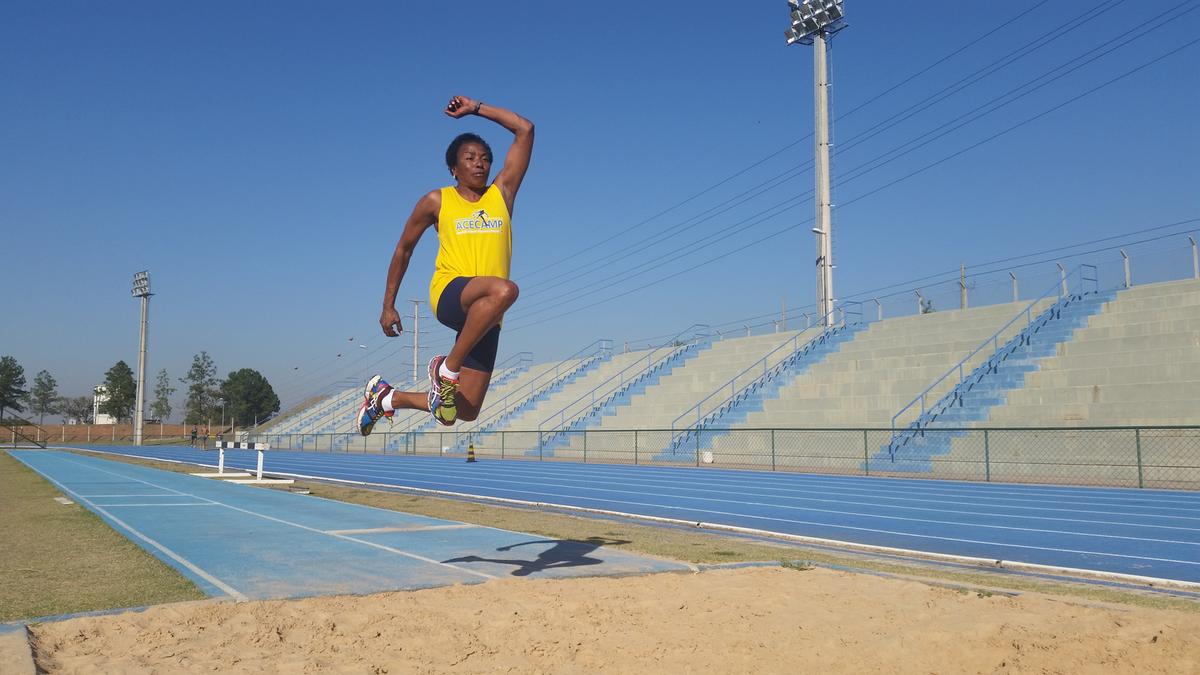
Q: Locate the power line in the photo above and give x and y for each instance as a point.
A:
(640, 269)
(786, 147)
(905, 177)
(855, 173)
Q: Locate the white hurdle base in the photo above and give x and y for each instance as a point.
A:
(241, 477)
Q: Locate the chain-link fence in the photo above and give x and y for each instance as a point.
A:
(1146, 457)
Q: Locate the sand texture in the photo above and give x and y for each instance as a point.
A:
(761, 620)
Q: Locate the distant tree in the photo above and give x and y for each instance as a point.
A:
(44, 395)
(161, 408)
(927, 306)
(203, 386)
(78, 408)
(121, 391)
(12, 386)
(248, 396)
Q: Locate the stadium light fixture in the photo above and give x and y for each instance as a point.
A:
(813, 21)
(141, 289)
(812, 17)
(141, 284)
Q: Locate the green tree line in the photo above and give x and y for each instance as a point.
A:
(242, 398)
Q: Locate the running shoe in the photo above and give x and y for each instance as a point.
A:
(371, 410)
(442, 392)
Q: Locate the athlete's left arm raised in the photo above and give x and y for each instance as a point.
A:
(516, 162)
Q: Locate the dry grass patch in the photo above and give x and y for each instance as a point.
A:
(61, 559)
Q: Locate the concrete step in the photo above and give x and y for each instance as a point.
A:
(1106, 375)
(1139, 343)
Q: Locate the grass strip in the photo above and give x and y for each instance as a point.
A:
(62, 559)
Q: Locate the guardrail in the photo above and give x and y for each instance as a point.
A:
(1166, 457)
(512, 366)
(736, 395)
(604, 392)
(1060, 289)
(598, 349)
(519, 402)
(305, 419)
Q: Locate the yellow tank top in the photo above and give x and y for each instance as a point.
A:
(474, 239)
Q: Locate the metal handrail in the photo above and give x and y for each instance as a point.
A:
(994, 340)
(623, 380)
(523, 361)
(596, 349)
(483, 425)
(303, 422)
(734, 393)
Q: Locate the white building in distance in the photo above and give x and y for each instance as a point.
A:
(99, 396)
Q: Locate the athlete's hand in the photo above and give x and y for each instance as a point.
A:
(389, 320)
(461, 106)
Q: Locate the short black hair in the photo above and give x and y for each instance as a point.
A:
(458, 142)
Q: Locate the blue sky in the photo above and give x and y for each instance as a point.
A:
(260, 159)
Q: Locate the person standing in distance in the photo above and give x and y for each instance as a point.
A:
(470, 290)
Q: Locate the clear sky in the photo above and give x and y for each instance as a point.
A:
(259, 159)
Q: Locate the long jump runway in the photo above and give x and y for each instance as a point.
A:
(251, 543)
(1120, 531)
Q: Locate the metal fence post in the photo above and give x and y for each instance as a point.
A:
(540, 445)
(987, 458)
(503, 435)
(866, 455)
(441, 444)
(697, 449)
(1137, 440)
(635, 448)
(772, 449)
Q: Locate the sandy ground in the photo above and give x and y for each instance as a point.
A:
(763, 620)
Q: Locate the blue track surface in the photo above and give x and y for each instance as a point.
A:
(1154, 533)
(245, 542)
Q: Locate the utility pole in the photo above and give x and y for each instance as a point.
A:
(416, 340)
(962, 286)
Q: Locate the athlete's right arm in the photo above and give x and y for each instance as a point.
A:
(424, 214)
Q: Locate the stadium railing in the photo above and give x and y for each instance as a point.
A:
(712, 407)
(1161, 457)
(588, 405)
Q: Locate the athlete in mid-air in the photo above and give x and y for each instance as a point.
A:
(470, 290)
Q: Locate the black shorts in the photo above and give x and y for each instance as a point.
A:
(450, 314)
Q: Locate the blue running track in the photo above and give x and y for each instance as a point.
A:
(1146, 533)
(251, 543)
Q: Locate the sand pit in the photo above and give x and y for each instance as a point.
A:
(768, 620)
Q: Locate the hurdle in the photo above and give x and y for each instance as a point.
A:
(241, 477)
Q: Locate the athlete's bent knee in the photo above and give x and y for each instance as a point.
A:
(506, 293)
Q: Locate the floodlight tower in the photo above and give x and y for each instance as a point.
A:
(141, 289)
(813, 22)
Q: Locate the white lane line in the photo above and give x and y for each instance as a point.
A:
(379, 473)
(722, 487)
(526, 485)
(160, 504)
(195, 569)
(1035, 494)
(412, 528)
(570, 507)
(304, 527)
(126, 496)
(789, 480)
